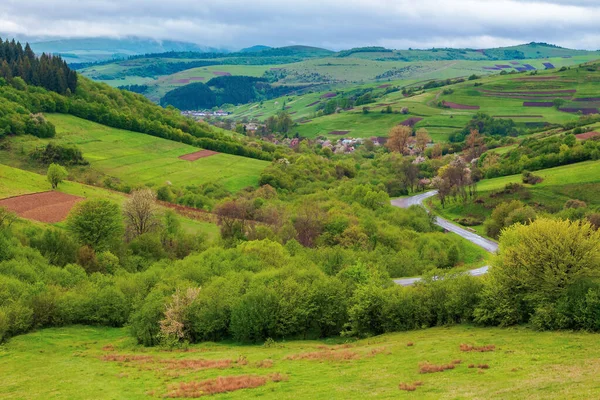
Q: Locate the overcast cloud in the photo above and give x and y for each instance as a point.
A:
(334, 24)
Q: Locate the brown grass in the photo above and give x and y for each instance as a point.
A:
(265, 364)
(375, 351)
(481, 349)
(197, 364)
(327, 355)
(410, 387)
(108, 347)
(427, 368)
(277, 377)
(456, 362)
(483, 366)
(471, 365)
(221, 384)
(407, 386)
(410, 344)
(126, 358)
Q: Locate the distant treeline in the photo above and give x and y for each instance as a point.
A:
(223, 90)
(141, 89)
(47, 71)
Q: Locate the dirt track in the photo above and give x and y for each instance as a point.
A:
(47, 207)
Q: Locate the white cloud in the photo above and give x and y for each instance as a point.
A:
(332, 23)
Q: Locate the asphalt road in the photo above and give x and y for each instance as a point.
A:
(486, 244)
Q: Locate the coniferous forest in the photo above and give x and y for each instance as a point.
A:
(48, 71)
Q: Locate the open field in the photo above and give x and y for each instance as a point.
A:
(138, 159)
(103, 363)
(50, 207)
(16, 182)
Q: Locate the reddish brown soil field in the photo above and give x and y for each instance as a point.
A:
(221, 73)
(457, 106)
(411, 121)
(339, 133)
(590, 99)
(48, 207)
(181, 81)
(328, 95)
(198, 154)
(197, 78)
(587, 135)
(383, 86)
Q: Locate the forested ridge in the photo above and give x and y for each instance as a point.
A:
(46, 84)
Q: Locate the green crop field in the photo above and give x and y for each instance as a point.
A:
(139, 159)
(74, 363)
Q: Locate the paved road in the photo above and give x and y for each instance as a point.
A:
(486, 244)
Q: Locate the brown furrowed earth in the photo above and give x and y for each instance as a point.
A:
(49, 207)
(457, 106)
(587, 135)
(198, 154)
(411, 121)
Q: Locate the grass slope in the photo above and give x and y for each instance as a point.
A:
(136, 158)
(66, 363)
(16, 182)
(575, 181)
(500, 96)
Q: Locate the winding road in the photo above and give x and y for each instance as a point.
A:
(486, 244)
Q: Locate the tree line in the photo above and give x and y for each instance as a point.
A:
(47, 71)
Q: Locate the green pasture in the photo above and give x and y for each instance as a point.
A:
(139, 159)
(68, 363)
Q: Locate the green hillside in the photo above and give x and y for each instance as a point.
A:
(501, 96)
(136, 159)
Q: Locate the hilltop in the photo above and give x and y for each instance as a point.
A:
(315, 69)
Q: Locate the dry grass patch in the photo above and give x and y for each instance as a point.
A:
(327, 355)
(481, 349)
(265, 363)
(126, 358)
(378, 350)
(410, 387)
(428, 368)
(197, 364)
(222, 384)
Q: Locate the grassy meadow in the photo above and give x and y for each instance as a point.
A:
(139, 159)
(82, 362)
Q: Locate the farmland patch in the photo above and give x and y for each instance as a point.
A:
(47, 207)
(198, 154)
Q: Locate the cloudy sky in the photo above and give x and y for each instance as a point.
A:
(334, 24)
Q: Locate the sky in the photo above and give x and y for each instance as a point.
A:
(333, 24)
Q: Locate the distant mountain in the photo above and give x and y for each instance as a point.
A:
(98, 49)
(520, 52)
(254, 49)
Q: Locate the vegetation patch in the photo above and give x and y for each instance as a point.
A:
(480, 349)
(428, 368)
(328, 355)
(222, 384)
